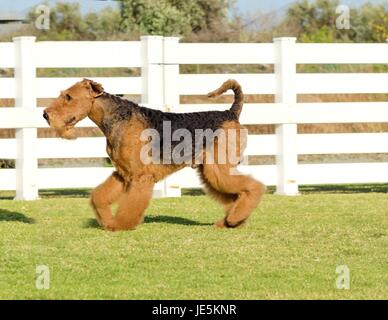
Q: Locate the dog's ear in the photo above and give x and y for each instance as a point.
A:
(95, 88)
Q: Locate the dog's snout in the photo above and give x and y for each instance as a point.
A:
(45, 115)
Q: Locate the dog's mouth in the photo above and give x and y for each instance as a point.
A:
(71, 122)
(66, 129)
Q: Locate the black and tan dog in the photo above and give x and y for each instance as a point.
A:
(124, 122)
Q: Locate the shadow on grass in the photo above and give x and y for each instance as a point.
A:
(6, 215)
(174, 220)
(93, 224)
(346, 188)
(65, 193)
(192, 192)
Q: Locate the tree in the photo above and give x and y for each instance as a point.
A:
(68, 23)
(370, 23)
(172, 17)
(316, 22)
(136, 17)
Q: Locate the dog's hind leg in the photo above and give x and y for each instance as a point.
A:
(226, 199)
(104, 195)
(247, 191)
(133, 204)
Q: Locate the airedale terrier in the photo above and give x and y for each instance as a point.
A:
(124, 122)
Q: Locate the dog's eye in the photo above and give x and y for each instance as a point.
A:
(68, 97)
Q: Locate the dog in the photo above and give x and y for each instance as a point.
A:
(124, 123)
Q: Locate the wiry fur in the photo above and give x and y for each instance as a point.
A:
(123, 122)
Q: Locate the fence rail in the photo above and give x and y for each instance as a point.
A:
(161, 86)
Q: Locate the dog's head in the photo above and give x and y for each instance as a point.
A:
(72, 105)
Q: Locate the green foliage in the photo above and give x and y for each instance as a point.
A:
(324, 34)
(310, 16)
(7, 164)
(171, 17)
(370, 23)
(134, 18)
(104, 24)
(68, 23)
(316, 22)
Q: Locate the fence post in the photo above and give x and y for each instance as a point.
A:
(26, 159)
(287, 157)
(152, 71)
(171, 94)
(152, 80)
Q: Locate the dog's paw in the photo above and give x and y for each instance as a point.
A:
(109, 225)
(235, 224)
(223, 223)
(220, 224)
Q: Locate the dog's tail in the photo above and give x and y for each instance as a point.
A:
(238, 95)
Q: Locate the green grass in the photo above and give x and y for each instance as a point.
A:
(290, 249)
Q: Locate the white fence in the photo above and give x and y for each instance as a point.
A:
(161, 85)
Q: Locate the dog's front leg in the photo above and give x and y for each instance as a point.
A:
(133, 203)
(103, 196)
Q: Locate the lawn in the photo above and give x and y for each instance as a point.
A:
(289, 250)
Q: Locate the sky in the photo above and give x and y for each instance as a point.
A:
(244, 6)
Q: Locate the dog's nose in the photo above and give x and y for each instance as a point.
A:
(45, 115)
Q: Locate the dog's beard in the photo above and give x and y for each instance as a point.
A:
(67, 133)
(65, 130)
